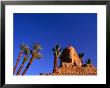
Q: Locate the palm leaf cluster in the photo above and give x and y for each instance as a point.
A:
(57, 51)
(36, 48)
(81, 55)
(33, 53)
(88, 61)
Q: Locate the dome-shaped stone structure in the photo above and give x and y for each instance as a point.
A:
(69, 55)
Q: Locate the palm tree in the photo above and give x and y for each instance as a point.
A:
(81, 57)
(35, 55)
(20, 54)
(56, 53)
(88, 61)
(26, 52)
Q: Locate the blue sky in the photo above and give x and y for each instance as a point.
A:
(49, 29)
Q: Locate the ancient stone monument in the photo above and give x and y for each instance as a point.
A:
(69, 55)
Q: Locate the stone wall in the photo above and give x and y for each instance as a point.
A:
(70, 69)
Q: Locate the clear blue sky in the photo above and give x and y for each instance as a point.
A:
(49, 29)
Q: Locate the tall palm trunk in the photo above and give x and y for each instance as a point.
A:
(30, 62)
(20, 54)
(55, 64)
(21, 67)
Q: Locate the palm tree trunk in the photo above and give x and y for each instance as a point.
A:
(18, 72)
(30, 62)
(20, 54)
(55, 65)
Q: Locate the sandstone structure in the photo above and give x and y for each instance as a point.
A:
(70, 64)
(70, 55)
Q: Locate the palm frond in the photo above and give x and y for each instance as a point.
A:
(53, 49)
(22, 46)
(81, 55)
(60, 50)
(39, 56)
(57, 51)
(25, 48)
(36, 46)
(57, 47)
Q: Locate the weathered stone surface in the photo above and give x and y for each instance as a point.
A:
(75, 70)
(70, 55)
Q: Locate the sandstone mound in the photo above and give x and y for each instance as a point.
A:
(70, 69)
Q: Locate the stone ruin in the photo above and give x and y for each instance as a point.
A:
(70, 64)
(69, 56)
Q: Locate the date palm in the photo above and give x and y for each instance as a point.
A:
(26, 53)
(57, 54)
(22, 46)
(35, 55)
